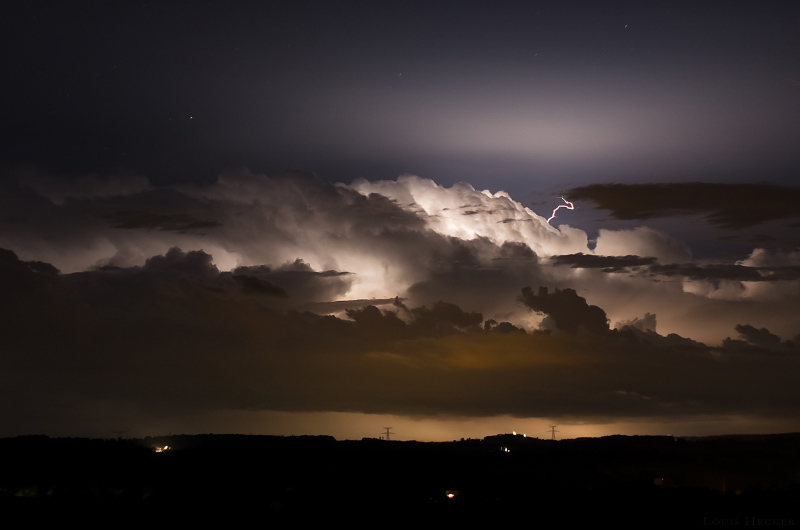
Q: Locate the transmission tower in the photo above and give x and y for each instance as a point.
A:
(388, 432)
(553, 431)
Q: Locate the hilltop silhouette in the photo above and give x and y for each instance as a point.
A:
(651, 481)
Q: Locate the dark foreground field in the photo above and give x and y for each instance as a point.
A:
(264, 481)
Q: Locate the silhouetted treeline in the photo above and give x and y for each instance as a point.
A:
(645, 481)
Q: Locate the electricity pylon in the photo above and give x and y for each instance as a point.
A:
(553, 431)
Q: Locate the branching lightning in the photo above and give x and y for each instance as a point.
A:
(568, 205)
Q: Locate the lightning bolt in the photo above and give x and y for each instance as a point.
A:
(568, 205)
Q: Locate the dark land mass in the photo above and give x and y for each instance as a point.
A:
(242, 480)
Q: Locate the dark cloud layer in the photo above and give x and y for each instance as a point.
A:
(753, 339)
(607, 263)
(692, 271)
(727, 272)
(566, 310)
(731, 206)
(155, 221)
(177, 336)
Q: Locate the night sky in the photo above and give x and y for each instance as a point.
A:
(331, 217)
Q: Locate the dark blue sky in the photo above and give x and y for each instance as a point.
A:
(519, 96)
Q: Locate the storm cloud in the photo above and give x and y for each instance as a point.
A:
(178, 337)
(730, 206)
(402, 297)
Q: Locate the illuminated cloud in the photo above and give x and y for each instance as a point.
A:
(464, 212)
(642, 241)
(409, 237)
(646, 323)
(776, 259)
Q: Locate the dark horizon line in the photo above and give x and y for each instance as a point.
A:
(380, 439)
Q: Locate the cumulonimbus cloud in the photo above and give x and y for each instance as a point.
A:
(408, 237)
